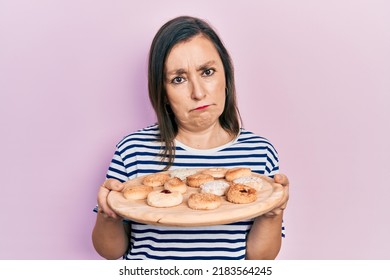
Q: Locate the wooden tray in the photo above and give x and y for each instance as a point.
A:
(181, 215)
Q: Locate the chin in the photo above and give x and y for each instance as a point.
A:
(206, 122)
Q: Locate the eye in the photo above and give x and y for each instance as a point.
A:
(208, 72)
(177, 80)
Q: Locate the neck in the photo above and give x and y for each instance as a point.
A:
(209, 138)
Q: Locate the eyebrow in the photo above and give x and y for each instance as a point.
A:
(202, 67)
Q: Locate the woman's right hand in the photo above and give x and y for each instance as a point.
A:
(108, 186)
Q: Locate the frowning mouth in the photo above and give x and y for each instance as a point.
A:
(201, 107)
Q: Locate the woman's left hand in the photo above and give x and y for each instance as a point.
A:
(282, 180)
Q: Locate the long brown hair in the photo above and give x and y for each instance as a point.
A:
(178, 30)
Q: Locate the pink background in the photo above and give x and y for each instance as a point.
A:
(312, 76)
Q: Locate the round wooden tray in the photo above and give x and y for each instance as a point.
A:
(181, 215)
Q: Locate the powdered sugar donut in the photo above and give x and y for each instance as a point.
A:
(198, 179)
(239, 193)
(217, 173)
(137, 192)
(204, 201)
(164, 198)
(255, 182)
(175, 184)
(155, 180)
(183, 173)
(237, 172)
(217, 187)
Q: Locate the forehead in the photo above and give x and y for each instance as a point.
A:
(197, 51)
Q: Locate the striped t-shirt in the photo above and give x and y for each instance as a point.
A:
(138, 154)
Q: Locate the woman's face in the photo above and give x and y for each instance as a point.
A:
(195, 84)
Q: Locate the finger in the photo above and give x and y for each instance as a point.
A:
(281, 179)
(281, 206)
(103, 207)
(106, 211)
(283, 202)
(102, 201)
(269, 215)
(274, 213)
(113, 185)
(112, 214)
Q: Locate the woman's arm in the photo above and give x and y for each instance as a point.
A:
(265, 237)
(110, 235)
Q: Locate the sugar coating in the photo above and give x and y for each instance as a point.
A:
(217, 187)
(183, 173)
(251, 181)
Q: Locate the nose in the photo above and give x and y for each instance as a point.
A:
(198, 92)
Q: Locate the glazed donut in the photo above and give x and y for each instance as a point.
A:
(204, 201)
(137, 192)
(217, 187)
(175, 184)
(255, 182)
(237, 172)
(155, 180)
(240, 194)
(183, 173)
(198, 179)
(164, 198)
(217, 173)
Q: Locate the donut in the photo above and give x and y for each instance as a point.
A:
(241, 194)
(137, 192)
(155, 180)
(255, 182)
(164, 198)
(217, 187)
(183, 173)
(175, 184)
(198, 179)
(204, 201)
(237, 172)
(217, 173)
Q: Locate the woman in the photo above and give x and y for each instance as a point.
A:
(192, 90)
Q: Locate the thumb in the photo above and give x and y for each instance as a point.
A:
(113, 185)
(281, 179)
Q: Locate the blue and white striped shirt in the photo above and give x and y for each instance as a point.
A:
(138, 154)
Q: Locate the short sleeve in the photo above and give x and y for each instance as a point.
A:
(272, 165)
(117, 169)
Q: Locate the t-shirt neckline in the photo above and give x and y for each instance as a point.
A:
(206, 151)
